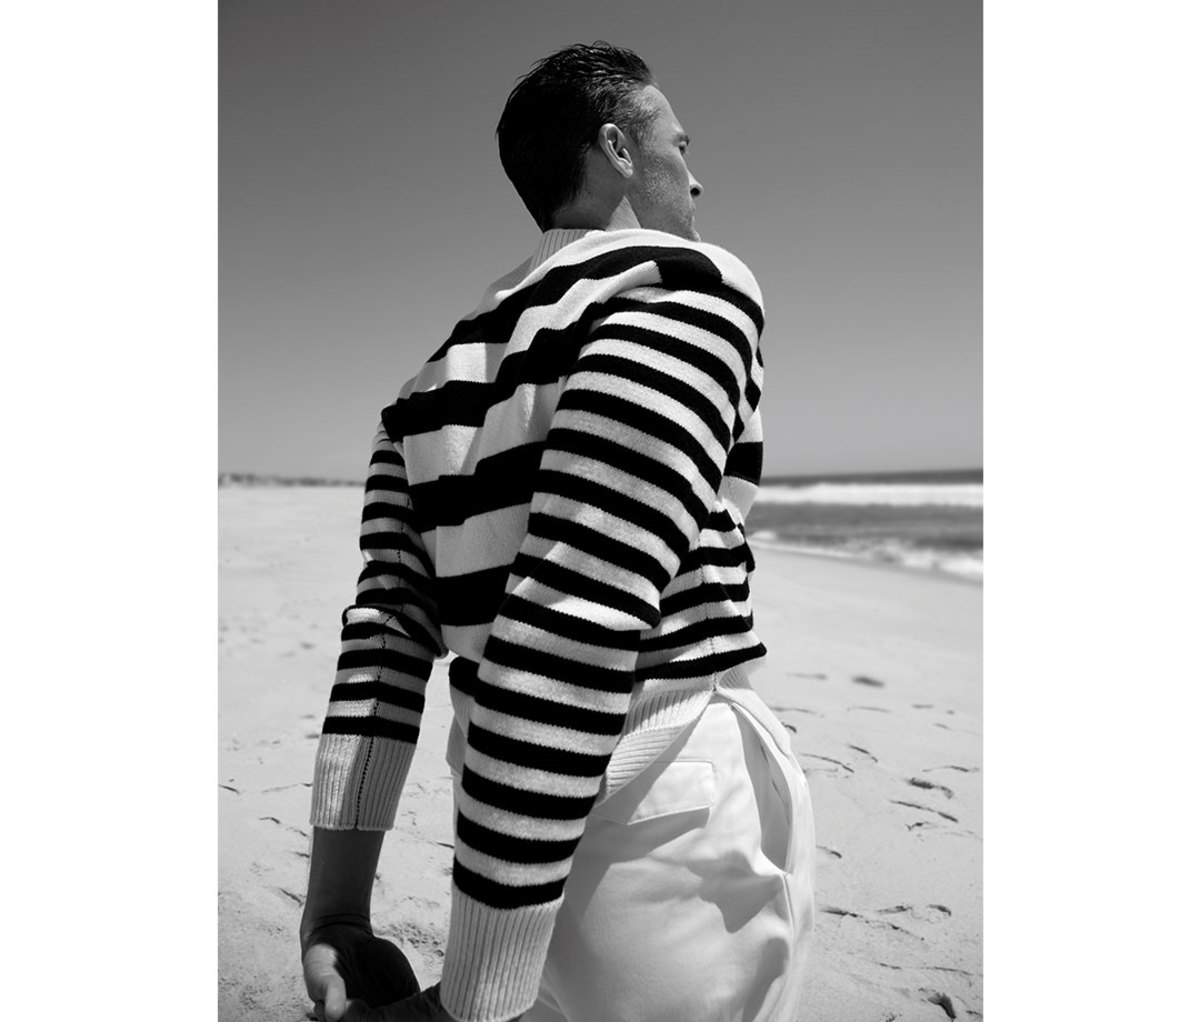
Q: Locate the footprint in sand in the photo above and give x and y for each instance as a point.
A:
(867, 920)
(826, 759)
(941, 1000)
(958, 730)
(870, 755)
(862, 679)
(794, 709)
(924, 913)
(833, 853)
(917, 782)
(925, 809)
(288, 827)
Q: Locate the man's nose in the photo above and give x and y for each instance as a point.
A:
(696, 188)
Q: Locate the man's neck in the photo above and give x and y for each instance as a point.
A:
(592, 218)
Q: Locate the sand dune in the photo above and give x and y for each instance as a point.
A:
(875, 671)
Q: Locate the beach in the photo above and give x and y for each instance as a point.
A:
(875, 671)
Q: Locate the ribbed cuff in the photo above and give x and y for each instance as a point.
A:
(655, 724)
(494, 958)
(357, 782)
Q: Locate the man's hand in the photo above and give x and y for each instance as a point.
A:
(423, 1007)
(345, 964)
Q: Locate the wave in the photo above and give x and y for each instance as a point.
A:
(959, 563)
(862, 494)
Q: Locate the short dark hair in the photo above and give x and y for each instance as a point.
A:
(554, 113)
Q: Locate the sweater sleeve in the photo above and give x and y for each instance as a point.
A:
(390, 637)
(630, 470)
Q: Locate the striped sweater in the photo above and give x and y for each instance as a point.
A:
(558, 498)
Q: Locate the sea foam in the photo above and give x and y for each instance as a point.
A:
(968, 565)
(878, 494)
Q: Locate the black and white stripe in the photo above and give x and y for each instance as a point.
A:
(558, 498)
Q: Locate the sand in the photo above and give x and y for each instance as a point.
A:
(875, 671)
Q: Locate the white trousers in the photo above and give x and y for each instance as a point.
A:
(690, 897)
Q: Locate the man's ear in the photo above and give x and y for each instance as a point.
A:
(614, 146)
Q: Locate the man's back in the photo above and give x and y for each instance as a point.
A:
(592, 610)
(473, 423)
(462, 480)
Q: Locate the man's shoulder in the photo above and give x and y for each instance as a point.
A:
(677, 263)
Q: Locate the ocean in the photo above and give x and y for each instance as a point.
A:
(931, 521)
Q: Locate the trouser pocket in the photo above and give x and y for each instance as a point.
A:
(780, 789)
(663, 789)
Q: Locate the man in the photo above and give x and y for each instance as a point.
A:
(558, 499)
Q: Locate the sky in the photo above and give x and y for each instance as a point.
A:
(363, 208)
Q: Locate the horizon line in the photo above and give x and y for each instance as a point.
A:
(307, 479)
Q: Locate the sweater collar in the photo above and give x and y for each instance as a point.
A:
(555, 240)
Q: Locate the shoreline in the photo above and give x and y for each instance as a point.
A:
(866, 562)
